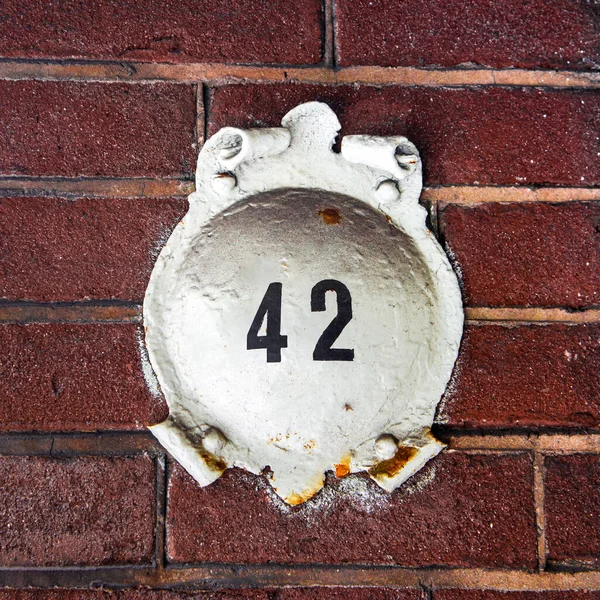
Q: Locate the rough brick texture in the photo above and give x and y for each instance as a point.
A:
(572, 502)
(73, 377)
(97, 129)
(54, 249)
(512, 33)
(81, 511)
(526, 254)
(91, 502)
(461, 510)
(525, 376)
(349, 594)
(465, 136)
(496, 595)
(246, 31)
(315, 593)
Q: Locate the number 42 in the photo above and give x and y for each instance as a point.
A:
(273, 341)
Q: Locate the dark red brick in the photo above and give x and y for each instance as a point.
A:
(461, 510)
(465, 136)
(525, 376)
(139, 594)
(80, 511)
(572, 503)
(315, 593)
(133, 594)
(242, 31)
(74, 377)
(56, 249)
(496, 595)
(348, 594)
(97, 129)
(512, 33)
(526, 254)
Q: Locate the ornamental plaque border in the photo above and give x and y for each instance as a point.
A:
(383, 173)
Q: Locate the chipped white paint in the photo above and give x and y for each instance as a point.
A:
(278, 206)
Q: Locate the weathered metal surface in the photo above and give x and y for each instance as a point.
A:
(302, 318)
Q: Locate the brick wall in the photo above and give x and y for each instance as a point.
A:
(103, 108)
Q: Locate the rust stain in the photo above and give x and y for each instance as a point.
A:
(343, 467)
(296, 498)
(277, 439)
(347, 407)
(341, 470)
(309, 446)
(214, 463)
(330, 216)
(392, 466)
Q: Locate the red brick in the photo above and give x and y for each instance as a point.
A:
(315, 593)
(512, 33)
(56, 249)
(572, 503)
(496, 595)
(526, 254)
(80, 511)
(525, 376)
(349, 594)
(465, 136)
(74, 377)
(97, 129)
(461, 510)
(139, 594)
(239, 31)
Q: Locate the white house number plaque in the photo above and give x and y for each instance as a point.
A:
(301, 318)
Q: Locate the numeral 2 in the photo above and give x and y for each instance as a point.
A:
(273, 341)
(323, 349)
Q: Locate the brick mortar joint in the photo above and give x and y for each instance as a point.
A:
(220, 73)
(60, 444)
(538, 498)
(234, 575)
(106, 311)
(149, 187)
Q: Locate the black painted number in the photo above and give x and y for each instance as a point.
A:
(323, 349)
(273, 341)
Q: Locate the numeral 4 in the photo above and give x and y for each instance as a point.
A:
(273, 341)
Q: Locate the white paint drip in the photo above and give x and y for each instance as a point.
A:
(147, 370)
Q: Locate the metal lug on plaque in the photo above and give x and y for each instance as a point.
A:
(302, 317)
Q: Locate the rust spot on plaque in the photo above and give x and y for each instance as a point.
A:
(298, 498)
(295, 499)
(392, 466)
(330, 216)
(214, 463)
(343, 467)
(309, 446)
(342, 470)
